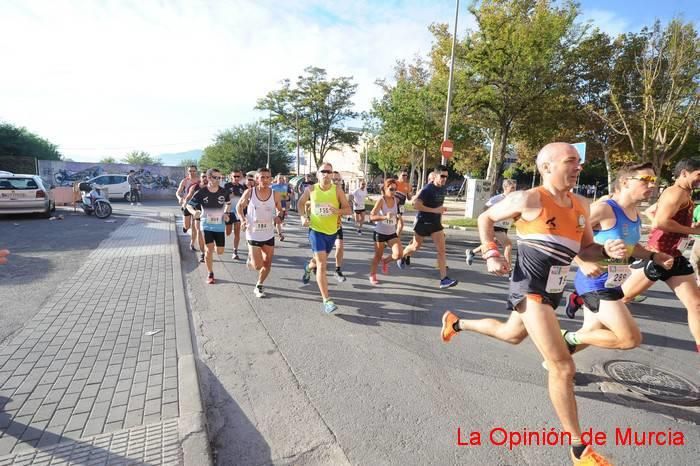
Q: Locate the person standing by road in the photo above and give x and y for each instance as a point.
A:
(134, 187)
(429, 204)
(328, 203)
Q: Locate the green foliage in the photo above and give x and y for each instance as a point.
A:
(245, 148)
(140, 158)
(108, 160)
(19, 142)
(317, 108)
(188, 162)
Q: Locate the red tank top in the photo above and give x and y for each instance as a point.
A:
(663, 241)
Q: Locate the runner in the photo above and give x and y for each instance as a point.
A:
(215, 210)
(500, 228)
(235, 191)
(260, 202)
(197, 234)
(358, 205)
(282, 188)
(673, 222)
(404, 192)
(181, 193)
(339, 243)
(553, 228)
(428, 203)
(384, 214)
(695, 251)
(607, 322)
(328, 204)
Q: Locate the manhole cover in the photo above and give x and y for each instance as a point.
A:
(653, 383)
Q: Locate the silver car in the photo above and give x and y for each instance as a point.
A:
(24, 194)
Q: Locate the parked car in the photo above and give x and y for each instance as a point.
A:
(24, 194)
(453, 189)
(116, 185)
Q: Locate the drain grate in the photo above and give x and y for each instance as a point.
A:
(653, 383)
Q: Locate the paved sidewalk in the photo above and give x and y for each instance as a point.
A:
(104, 373)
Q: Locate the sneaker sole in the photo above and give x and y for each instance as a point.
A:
(444, 287)
(444, 324)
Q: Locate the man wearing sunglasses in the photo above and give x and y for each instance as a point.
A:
(671, 226)
(607, 322)
(235, 191)
(321, 207)
(215, 210)
(181, 193)
(429, 204)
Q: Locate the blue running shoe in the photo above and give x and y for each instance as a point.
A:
(400, 264)
(329, 306)
(447, 282)
(306, 278)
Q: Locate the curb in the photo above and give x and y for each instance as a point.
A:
(192, 422)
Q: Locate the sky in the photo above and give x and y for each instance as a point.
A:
(102, 78)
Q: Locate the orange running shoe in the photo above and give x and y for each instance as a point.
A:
(448, 331)
(589, 457)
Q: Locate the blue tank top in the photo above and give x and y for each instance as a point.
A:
(624, 229)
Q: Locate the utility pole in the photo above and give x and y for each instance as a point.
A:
(446, 133)
(269, 139)
(298, 147)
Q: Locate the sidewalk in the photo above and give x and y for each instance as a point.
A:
(104, 373)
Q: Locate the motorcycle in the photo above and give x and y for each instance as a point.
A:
(94, 202)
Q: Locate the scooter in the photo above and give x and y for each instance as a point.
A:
(94, 202)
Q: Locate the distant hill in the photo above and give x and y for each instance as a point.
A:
(174, 159)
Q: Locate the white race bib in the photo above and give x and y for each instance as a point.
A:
(556, 281)
(503, 224)
(262, 226)
(685, 243)
(323, 210)
(214, 219)
(617, 274)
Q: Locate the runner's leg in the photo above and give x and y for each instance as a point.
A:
(396, 249)
(620, 331)
(378, 253)
(321, 260)
(439, 239)
(267, 253)
(688, 292)
(636, 284)
(209, 257)
(413, 246)
(511, 331)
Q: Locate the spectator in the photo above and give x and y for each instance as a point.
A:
(134, 187)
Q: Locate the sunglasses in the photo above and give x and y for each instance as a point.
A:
(214, 177)
(326, 172)
(392, 189)
(192, 171)
(443, 176)
(645, 178)
(236, 176)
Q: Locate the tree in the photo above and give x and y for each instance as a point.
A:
(140, 158)
(188, 163)
(19, 142)
(316, 108)
(245, 148)
(108, 160)
(656, 95)
(512, 66)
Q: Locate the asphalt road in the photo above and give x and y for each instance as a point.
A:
(373, 383)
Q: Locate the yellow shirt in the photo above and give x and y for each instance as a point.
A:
(320, 217)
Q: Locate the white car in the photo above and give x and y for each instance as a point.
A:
(24, 194)
(117, 186)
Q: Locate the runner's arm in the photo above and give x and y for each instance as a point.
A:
(242, 204)
(278, 204)
(591, 251)
(651, 211)
(510, 207)
(374, 215)
(669, 203)
(192, 203)
(417, 204)
(345, 208)
(301, 204)
(179, 190)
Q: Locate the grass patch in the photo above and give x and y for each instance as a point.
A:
(462, 222)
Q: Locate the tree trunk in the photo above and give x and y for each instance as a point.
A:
(495, 173)
(608, 168)
(424, 174)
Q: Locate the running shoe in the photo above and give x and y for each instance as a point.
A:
(184, 230)
(589, 457)
(306, 278)
(401, 264)
(385, 266)
(573, 304)
(210, 279)
(329, 306)
(339, 276)
(373, 279)
(571, 347)
(448, 330)
(470, 256)
(258, 291)
(447, 282)
(359, 232)
(201, 257)
(249, 264)
(407, 260)
(639, 299)
(192, 248)
(235, 256)
(281, 237)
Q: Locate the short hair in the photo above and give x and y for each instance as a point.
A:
(212, 170)
(262, 170)
(627, 170)
(689, 165)
(388, 182)
(236, 170)
(192, 166)
(509, 183)
(440, 168)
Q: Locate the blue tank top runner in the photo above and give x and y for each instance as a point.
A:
(624, 229)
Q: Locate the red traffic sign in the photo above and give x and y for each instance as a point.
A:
(447, 148)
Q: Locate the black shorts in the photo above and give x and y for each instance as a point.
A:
(592, 299)
(232, 219)
(380, 238)
(360, 211)
(186, 212)
(501, 229)
(681, 267)
(218, 237)
(426, 229)
(529, 286)
(339, 234)
(259, 244)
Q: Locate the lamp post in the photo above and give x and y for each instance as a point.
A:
(269, 139)
(446, 133)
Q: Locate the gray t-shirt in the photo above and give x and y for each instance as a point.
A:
(131, 179)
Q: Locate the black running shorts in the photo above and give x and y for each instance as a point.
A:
(426, 229)
(259, 244)
(380, 238)
(592, 299)
(655, 272)
(218, 237)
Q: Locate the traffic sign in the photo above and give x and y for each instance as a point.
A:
(581, 149)
(447, 148)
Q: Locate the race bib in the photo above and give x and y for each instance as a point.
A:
(556, 281)
(262, 226)
(323, 210)
(685, 243)
(390, 221)
(503, 224)
(214, 219)
(617, 274)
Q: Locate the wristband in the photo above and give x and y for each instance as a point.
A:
(491, 253)
(490, 245)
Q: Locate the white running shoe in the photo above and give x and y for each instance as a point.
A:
(258, 291)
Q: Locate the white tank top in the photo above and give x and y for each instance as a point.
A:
(388, 226)
(260, 217)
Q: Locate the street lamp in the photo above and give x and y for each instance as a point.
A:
(446, 133)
